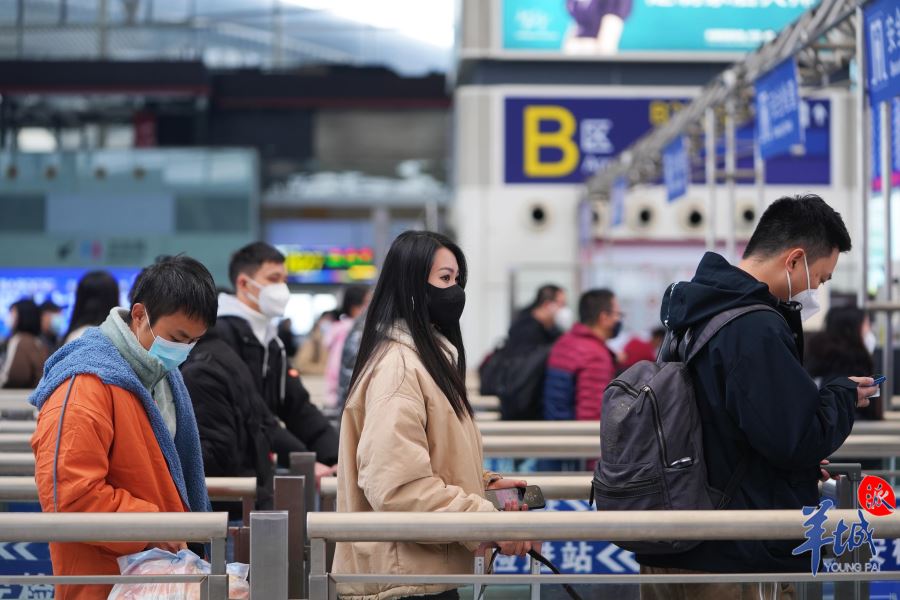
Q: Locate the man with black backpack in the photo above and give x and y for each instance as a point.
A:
(764, 424)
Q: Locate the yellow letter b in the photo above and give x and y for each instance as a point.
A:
(535, 140)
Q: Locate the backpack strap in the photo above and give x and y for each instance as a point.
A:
(718, 322)
(706, 334)
(734, 482)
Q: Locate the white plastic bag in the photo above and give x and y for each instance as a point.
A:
(161, 562)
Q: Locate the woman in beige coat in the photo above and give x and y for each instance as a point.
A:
(408, 438)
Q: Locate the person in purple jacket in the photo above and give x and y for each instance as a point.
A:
(598, 25)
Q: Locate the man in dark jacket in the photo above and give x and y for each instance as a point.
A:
(248, 401)
(761, 413)
(516, 372)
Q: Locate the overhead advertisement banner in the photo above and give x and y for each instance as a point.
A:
(882, 19)
(606, 28)
(778, 110)
(676, 169)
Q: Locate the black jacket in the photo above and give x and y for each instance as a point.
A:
(233, 422)
(516, 372)
(230, 374)
(756, 402)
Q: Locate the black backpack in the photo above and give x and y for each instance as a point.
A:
(516, 376)
(651, 443)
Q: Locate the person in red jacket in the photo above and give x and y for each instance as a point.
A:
(580, 365)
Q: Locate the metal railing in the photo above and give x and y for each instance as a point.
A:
(577, 526)
(490, 424)
(573, 486)
(544, 428)
(122, 527)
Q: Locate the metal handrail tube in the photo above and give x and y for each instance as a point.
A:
(17, 425)
(112, 527)
(24, 488)
(15, 442)
(571, 446)
(574, 486)
(543, 428)
(602, 525)
(490, 424)
(16, 463)
(484, 402)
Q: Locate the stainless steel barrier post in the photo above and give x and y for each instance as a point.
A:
(319, 586)
(846, 495)
(217, 582)
(304, 464)
(479, 570)
(289, 497)
(268, 555)
(535, 587)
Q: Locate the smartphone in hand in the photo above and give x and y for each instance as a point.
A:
(879, 379)
(530, 495)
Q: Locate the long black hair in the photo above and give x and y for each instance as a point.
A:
(28, 317)
(96, 295)
(402, 295)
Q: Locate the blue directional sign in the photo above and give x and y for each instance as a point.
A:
(676, 169)
(778, 124)
(882, 22)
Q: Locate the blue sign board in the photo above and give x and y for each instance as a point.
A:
(52, 283)
(882, 22)
(676, 169)
(895, 145)
(778, 123)
(565, 140)
(619, 189)
(606, 28)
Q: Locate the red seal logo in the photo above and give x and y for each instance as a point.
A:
(876, 496)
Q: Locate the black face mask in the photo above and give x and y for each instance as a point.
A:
(445, 305)
(616, 330)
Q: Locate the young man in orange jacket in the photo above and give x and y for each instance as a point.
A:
(116, 431)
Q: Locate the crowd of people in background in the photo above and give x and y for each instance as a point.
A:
(215, 378)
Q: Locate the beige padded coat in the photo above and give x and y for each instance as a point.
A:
(404, 449)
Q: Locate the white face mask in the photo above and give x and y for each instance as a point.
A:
(870, 341)
(564, 318)
(272, 299)
(808, 298)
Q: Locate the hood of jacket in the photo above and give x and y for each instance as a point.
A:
(94, 354)
(717, 286)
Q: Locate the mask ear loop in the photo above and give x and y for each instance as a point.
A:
(808, 280)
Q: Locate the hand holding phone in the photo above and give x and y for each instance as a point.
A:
(530, 495)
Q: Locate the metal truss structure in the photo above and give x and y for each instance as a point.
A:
(822, 41)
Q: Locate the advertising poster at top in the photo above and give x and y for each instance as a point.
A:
(607, 28)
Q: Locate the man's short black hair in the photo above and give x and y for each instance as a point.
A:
(176, 284)
(250, 258)
(546, 293)
(800, 221)
(592, 303)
